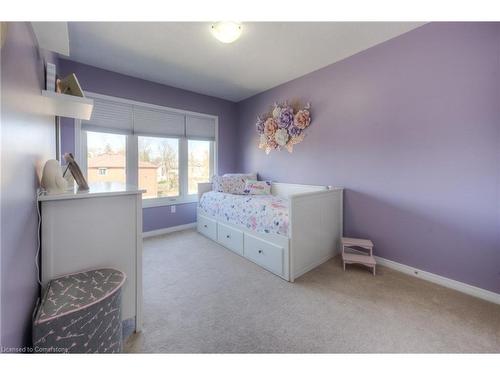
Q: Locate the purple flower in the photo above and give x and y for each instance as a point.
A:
(260, 126)
(285, 118)
(294, 131)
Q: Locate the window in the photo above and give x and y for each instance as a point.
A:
(106, 157)
(164, 151)
(159, 167)
(199, 164)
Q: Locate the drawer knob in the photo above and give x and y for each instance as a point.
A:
(228, 236)
(260, 251)
(205, 225)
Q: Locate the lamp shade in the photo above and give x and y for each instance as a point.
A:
(226, 32)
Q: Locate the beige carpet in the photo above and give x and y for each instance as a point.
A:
(202, 298)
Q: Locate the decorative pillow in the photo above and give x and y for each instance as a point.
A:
(234, 184)
(254, 187)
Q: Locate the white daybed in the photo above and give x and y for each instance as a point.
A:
(313, 233)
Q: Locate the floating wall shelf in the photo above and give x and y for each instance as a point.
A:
(68, 105)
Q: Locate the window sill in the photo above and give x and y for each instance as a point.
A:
(159, 202)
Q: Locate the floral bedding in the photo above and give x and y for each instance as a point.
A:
(260, 213)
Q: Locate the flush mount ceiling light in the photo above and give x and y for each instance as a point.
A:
(226, 32)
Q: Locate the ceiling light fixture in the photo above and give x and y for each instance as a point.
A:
(226, 32)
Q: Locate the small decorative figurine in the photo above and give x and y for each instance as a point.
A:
(52, 179)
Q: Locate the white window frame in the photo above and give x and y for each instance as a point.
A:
(132, 167)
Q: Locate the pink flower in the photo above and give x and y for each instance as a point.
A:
(270, 127)
(302, 119)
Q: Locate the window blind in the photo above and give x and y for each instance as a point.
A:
(110, 117)
(115, 117)
(202, 128)
(156, 122)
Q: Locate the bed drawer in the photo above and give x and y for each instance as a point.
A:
(266, 254)
(230, 238)
(207, 226)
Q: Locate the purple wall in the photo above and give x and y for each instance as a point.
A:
(411, 129)
(28, 140)
(109, 83)
(67, 136)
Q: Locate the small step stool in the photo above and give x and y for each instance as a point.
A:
(360, 258)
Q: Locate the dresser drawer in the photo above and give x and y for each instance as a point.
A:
(230, 238)
(264, 253)
(207, 226)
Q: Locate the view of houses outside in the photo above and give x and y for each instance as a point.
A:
(106, 157)
(164, 153)
(158, 163)
(110, 167)
(106, 161)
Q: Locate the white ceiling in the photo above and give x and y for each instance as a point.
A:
(186, 55)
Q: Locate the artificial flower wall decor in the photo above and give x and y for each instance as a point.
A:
(283, 126)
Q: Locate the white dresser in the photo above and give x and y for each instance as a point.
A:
(98, 228)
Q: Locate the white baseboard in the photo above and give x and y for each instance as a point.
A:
(159, 232)
(444, 281)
